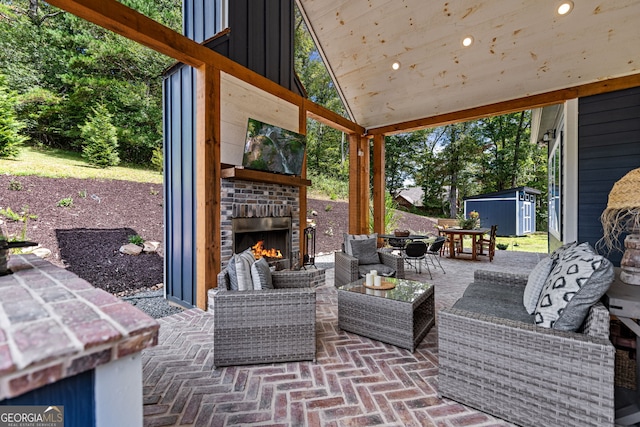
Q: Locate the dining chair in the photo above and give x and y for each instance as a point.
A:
(435, 249)
(489, 244)
(414, 254)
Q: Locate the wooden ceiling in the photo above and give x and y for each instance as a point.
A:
(520, 49)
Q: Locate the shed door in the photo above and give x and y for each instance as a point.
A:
(527, 226)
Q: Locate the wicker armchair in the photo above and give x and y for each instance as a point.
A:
(346, 266)
(525, 374)
(265, 326)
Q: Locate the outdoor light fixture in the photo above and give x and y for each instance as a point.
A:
(467, 41)
(565, 7)
(395, 66)
(551, 133)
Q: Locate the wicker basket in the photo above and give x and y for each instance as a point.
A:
(625, 372)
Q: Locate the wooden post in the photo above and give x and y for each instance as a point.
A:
(302, 128)
(379, 185)
(208, 182)
(358, 184)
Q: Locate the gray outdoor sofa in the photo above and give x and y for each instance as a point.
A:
(267, 325)
(493, 357)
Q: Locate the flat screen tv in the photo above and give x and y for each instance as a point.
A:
(273, 149)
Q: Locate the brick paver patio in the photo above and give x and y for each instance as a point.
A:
(355, 381)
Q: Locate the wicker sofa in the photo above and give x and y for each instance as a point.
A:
(503, 364)
(268, 325)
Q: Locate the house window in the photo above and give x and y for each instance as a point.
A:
(555, 190)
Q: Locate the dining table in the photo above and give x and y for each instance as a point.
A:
(411, 237)
(453, 232)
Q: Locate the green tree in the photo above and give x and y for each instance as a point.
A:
(100, 139)
(10, 126)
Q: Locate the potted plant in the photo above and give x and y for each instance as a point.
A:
(469, 223)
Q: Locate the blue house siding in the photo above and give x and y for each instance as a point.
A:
(179, 125)
(261, 39)
(202, 19)
(608, 148)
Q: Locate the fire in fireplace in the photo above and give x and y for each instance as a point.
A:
(259, 251)
(263, 233)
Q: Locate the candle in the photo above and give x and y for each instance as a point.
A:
(374, 273)
(378, 281)
(369, 279)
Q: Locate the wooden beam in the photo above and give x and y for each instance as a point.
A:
(331, 119)
(208, 237)
(364, 187)
(511, 106)
(379, 185)
(358, 184)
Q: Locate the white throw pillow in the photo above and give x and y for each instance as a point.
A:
(244, 261)
(535, 283)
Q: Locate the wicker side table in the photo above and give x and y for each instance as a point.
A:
(401, 316)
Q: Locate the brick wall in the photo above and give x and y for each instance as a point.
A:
(247, 199)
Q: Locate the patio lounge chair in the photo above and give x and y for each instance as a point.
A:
(264, 326)
(529, 375)
(348, 268)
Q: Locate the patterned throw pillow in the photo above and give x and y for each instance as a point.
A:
(244, 261)
(348, 238)
(261, 275)
(557, 254)
(366, 250)
(233, 276)
(577, 281)
(535, 283)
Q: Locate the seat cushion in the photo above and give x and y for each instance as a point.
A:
(578, 280)
(383, 270)
(497, 300)
(535, 283)
(233, 276)
(366, 251)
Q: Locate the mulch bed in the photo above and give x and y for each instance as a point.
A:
(86, 236)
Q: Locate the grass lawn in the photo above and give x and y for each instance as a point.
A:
(536, 242)
(56, 163)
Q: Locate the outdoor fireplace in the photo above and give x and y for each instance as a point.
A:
(258, 211)
(273, 232)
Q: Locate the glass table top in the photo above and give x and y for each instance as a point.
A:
(405, 290)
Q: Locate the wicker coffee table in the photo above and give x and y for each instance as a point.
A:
(401, 316)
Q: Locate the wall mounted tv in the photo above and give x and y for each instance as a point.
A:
(273, 149)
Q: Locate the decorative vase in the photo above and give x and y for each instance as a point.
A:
(630, 263)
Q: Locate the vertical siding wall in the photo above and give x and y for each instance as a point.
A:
(202, 19)
(179, 181)
(608, 147)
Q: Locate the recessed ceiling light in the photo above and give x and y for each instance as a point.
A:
(565, 7)
(467, 41)
(395, 66)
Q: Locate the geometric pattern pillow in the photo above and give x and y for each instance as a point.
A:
(349, 237)
(261, 275)
(577, 281)
(535, 282)
(557, 254)
(244, 261)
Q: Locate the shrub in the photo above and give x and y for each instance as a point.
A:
(502, 246)
(65, 203)
(10, 126)
(100, 139)
(157, 159)
(82, 194)
(15, 185)
(136, 240)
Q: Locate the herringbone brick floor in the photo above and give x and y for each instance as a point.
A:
(355, 381)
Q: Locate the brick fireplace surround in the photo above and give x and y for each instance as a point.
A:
(248, 199)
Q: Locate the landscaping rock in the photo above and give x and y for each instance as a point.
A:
(130, 249)
(150, 246)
